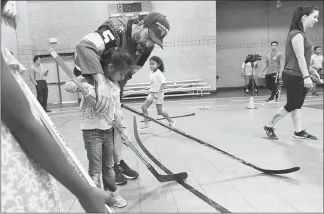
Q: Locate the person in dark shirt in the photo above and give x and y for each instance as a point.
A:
(137, 38)
(295, 76)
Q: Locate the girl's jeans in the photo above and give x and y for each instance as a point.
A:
(99, 145)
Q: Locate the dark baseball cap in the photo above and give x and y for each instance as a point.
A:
(158, 27)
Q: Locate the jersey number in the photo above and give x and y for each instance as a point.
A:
(108, 36)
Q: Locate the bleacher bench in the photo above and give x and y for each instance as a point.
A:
(196, 87)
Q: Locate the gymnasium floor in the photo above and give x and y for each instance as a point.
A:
(222, 181)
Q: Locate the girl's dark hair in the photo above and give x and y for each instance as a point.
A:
(158, 61)
(119, 59)
(300, 11)
(36, 58)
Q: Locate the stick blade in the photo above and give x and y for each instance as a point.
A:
(179, 177)
(280, 171)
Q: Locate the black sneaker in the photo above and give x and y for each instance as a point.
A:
(315, 94)
(119, 177)
(304, 135)
(270, 99)
(270, 132)
(128, 172)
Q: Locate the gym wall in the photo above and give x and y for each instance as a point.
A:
(248, 27)
(190, 47)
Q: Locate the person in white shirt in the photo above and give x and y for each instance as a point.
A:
(157, 84)
(248, 74)
(316, 68)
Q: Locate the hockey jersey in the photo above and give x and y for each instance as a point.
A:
(113, 33)
(116, 32)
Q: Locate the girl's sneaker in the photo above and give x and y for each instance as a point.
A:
(146, 126)
(172, 124)
(119, 201)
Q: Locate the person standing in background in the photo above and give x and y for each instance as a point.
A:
(274, 66)
(37, 74)
(316, 68)
(248, 74)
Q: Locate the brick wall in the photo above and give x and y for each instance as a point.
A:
(190, 47)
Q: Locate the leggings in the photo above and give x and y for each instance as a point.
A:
(296, 92)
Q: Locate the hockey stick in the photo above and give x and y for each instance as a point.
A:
(191, 189)
(177, 177)
(48, 124)
(268, 171)
(184, 115)
(161, 178)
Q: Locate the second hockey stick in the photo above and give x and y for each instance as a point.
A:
(183, 115)
(268, 171)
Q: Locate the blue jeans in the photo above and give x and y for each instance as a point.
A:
(100, 145)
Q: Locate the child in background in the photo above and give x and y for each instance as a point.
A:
(157, 84)
(98, 134)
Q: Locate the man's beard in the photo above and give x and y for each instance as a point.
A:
(140, 48)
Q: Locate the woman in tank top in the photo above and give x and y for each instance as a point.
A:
(296, 76)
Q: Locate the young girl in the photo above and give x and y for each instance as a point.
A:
(156, 94)
(98, 134)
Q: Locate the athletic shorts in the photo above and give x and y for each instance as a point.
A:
(156, 97)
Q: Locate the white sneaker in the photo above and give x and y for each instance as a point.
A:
(145, 127)
(119, 201)
(172, 124)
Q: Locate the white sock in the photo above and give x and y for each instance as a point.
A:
(295, 116)
(281, 113)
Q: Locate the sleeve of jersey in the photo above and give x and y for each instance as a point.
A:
(145, 56)
(108, 36)
(91, 48)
